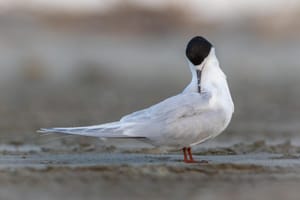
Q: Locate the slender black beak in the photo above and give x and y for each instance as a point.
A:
(199, 72)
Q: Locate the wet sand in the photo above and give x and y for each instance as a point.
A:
(87, 160)
(147, 176)
(104, 171)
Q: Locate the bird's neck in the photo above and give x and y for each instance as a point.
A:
(208, 76)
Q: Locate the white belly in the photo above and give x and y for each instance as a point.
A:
(193, 130)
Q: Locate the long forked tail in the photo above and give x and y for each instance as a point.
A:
(109, 130)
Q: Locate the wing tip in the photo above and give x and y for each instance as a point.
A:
(44, 131)
(41, 130)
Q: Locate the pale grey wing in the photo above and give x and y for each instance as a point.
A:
(140, 115)
(147, 123)
(185, 104)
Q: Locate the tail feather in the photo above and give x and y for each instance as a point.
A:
(109, 130)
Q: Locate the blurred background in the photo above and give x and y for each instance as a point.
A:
(73, 63)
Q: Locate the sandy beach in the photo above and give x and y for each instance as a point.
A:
(149, 176)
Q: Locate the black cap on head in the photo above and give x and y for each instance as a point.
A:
(198, 49)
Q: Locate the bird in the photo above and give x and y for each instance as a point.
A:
(199, 113)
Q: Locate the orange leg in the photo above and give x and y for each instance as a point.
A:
(188, 157)
(185, 158)
(190, 154)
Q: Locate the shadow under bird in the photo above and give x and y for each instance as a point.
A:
(200, 112)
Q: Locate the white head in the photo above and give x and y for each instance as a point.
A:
(207, 74)
(204, 65)
(198, 52)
